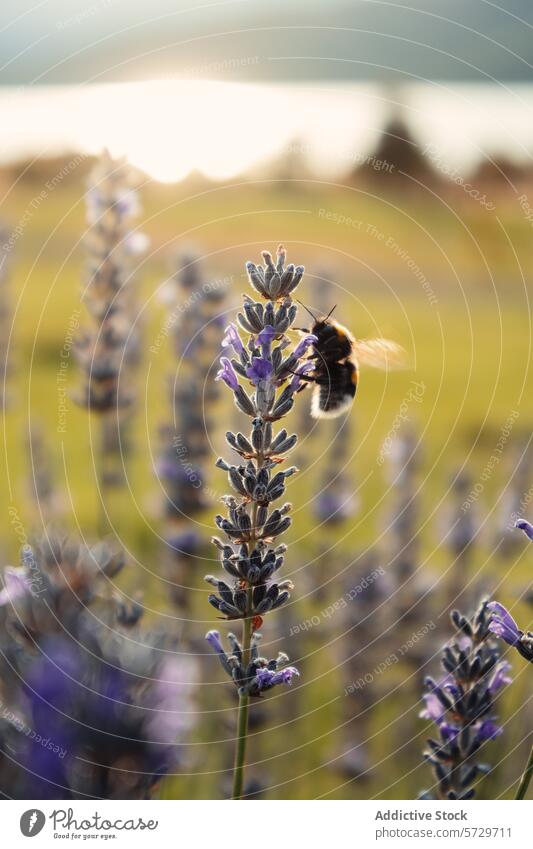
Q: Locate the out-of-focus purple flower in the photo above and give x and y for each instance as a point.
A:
(432, 708)
(500, 677)
(503, 625)
(488, 730)
(187, 542)
(171, 469)
(233, 339)
(304, 344)
(227, 374)
(127, 202)
(335, 503)
(526, 527)
(15, 585)
(261, 369)
(136, 243)
(172, 698)
(448, 731)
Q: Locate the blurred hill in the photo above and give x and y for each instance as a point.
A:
(252, 40)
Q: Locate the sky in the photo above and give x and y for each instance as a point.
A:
(45, 42)
(222, 85)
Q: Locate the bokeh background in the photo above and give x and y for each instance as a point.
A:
(390, 150)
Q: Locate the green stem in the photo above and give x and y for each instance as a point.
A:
(244, 700)
(242, 721)
(526, 777)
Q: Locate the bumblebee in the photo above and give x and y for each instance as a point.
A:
(337, 355)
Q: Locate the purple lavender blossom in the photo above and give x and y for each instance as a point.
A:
(227, 374)
(433, 708)
(232, 339)
(488, 730)
(213, 638)
(500, 677)
(261, 369)
(267, 678)
(260, 675)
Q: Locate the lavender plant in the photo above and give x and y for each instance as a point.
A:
(94, 705)
(513, 499)
(503, 625)
(411, 598)
(366, 641)
(272, 366)
(42, 488)
(461, 524)
(336, 501)
(182, 465)
(461, 704)
(111, 346)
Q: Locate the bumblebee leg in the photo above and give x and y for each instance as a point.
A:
(305, 377)
(320, 381)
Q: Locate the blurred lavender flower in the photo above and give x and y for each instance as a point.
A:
(337, 501)
(94, 706)
(460, 532)
(196, 311)
(403, 519)
(514, 498)
(110, 350)
(250, 556)
(41, 484)
(56, 581)
(412, 598)
(461, 704)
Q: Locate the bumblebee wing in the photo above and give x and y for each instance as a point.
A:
(380, 353)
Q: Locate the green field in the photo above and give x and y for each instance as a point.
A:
(447, 279)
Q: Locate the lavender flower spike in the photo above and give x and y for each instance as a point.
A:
(251, 555)
(227, 374)
(461, 704)
(261, 369)
(232, 339)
